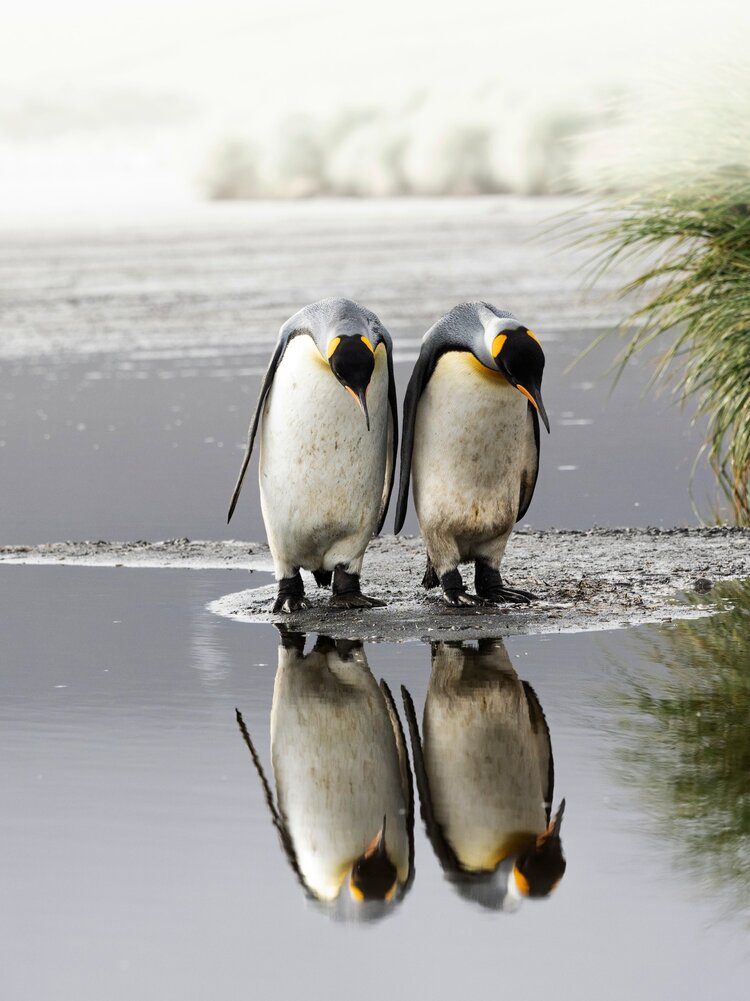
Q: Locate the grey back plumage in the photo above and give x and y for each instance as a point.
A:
(329, 317)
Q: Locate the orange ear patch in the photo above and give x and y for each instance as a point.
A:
(533, 337)
(366, 342)
(332, 345)
(497, 344)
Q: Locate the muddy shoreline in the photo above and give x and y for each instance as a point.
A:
(597, 579)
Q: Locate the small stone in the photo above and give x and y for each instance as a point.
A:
(703, 585)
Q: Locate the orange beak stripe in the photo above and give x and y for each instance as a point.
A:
(529, 397)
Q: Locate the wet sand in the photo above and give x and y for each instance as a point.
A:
(599, 579)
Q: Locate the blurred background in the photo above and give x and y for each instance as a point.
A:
(105, 108)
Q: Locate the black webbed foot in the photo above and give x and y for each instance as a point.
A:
(290, 638)
(489, 585)
(455, 593)
(291, 595)
(347, 593)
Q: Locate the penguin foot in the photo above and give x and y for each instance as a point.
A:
(455, 593)
(290, 639)
(430, 578)
(511, 595)
(291, 604)
(291, 596)
(347, 593)
(355, 601)
(489, 585)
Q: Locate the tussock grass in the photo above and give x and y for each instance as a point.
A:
(688, 751)
(694, 295)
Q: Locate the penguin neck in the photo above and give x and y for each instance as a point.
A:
(472, 362)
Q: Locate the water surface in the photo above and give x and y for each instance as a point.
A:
(140, 858)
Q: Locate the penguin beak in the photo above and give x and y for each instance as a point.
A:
(557, 822)
(360, 395)
(534, 396)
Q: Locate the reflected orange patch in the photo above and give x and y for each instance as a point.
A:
(521, 882)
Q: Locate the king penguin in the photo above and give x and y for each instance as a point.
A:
(344, 803)
(328, 439)
(471, 445)
(485, 776)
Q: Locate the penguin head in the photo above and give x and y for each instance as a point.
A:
(373, 876)
(519, 356)
(352, 359)
(540, 867)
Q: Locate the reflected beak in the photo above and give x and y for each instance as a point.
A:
(534, 396)
(557, 822)
(553, 828)
(361, 397)
(377, 845)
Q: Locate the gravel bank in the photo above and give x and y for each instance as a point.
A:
(598, 579)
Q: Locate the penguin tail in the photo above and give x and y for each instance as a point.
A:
(323, 577)
(430, 578)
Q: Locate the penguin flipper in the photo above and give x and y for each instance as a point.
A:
(284, 337)
(531, 465)
(278, 822)
(392, 443)
(543, 746)
(398, 733)
(440, 844)
(433, 346)
(407, 786)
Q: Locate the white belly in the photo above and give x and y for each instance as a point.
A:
(482, 762)
(473, 443)
(336, 767)
(321, 470)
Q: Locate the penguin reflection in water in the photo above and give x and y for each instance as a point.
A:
(471, 445)
(343, 807)
(485, 776)
(328, 440)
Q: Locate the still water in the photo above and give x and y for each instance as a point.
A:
(351, 839)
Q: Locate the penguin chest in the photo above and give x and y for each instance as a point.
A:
(484, 773)
(337, 775)
(321, 471)
(473, 443)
